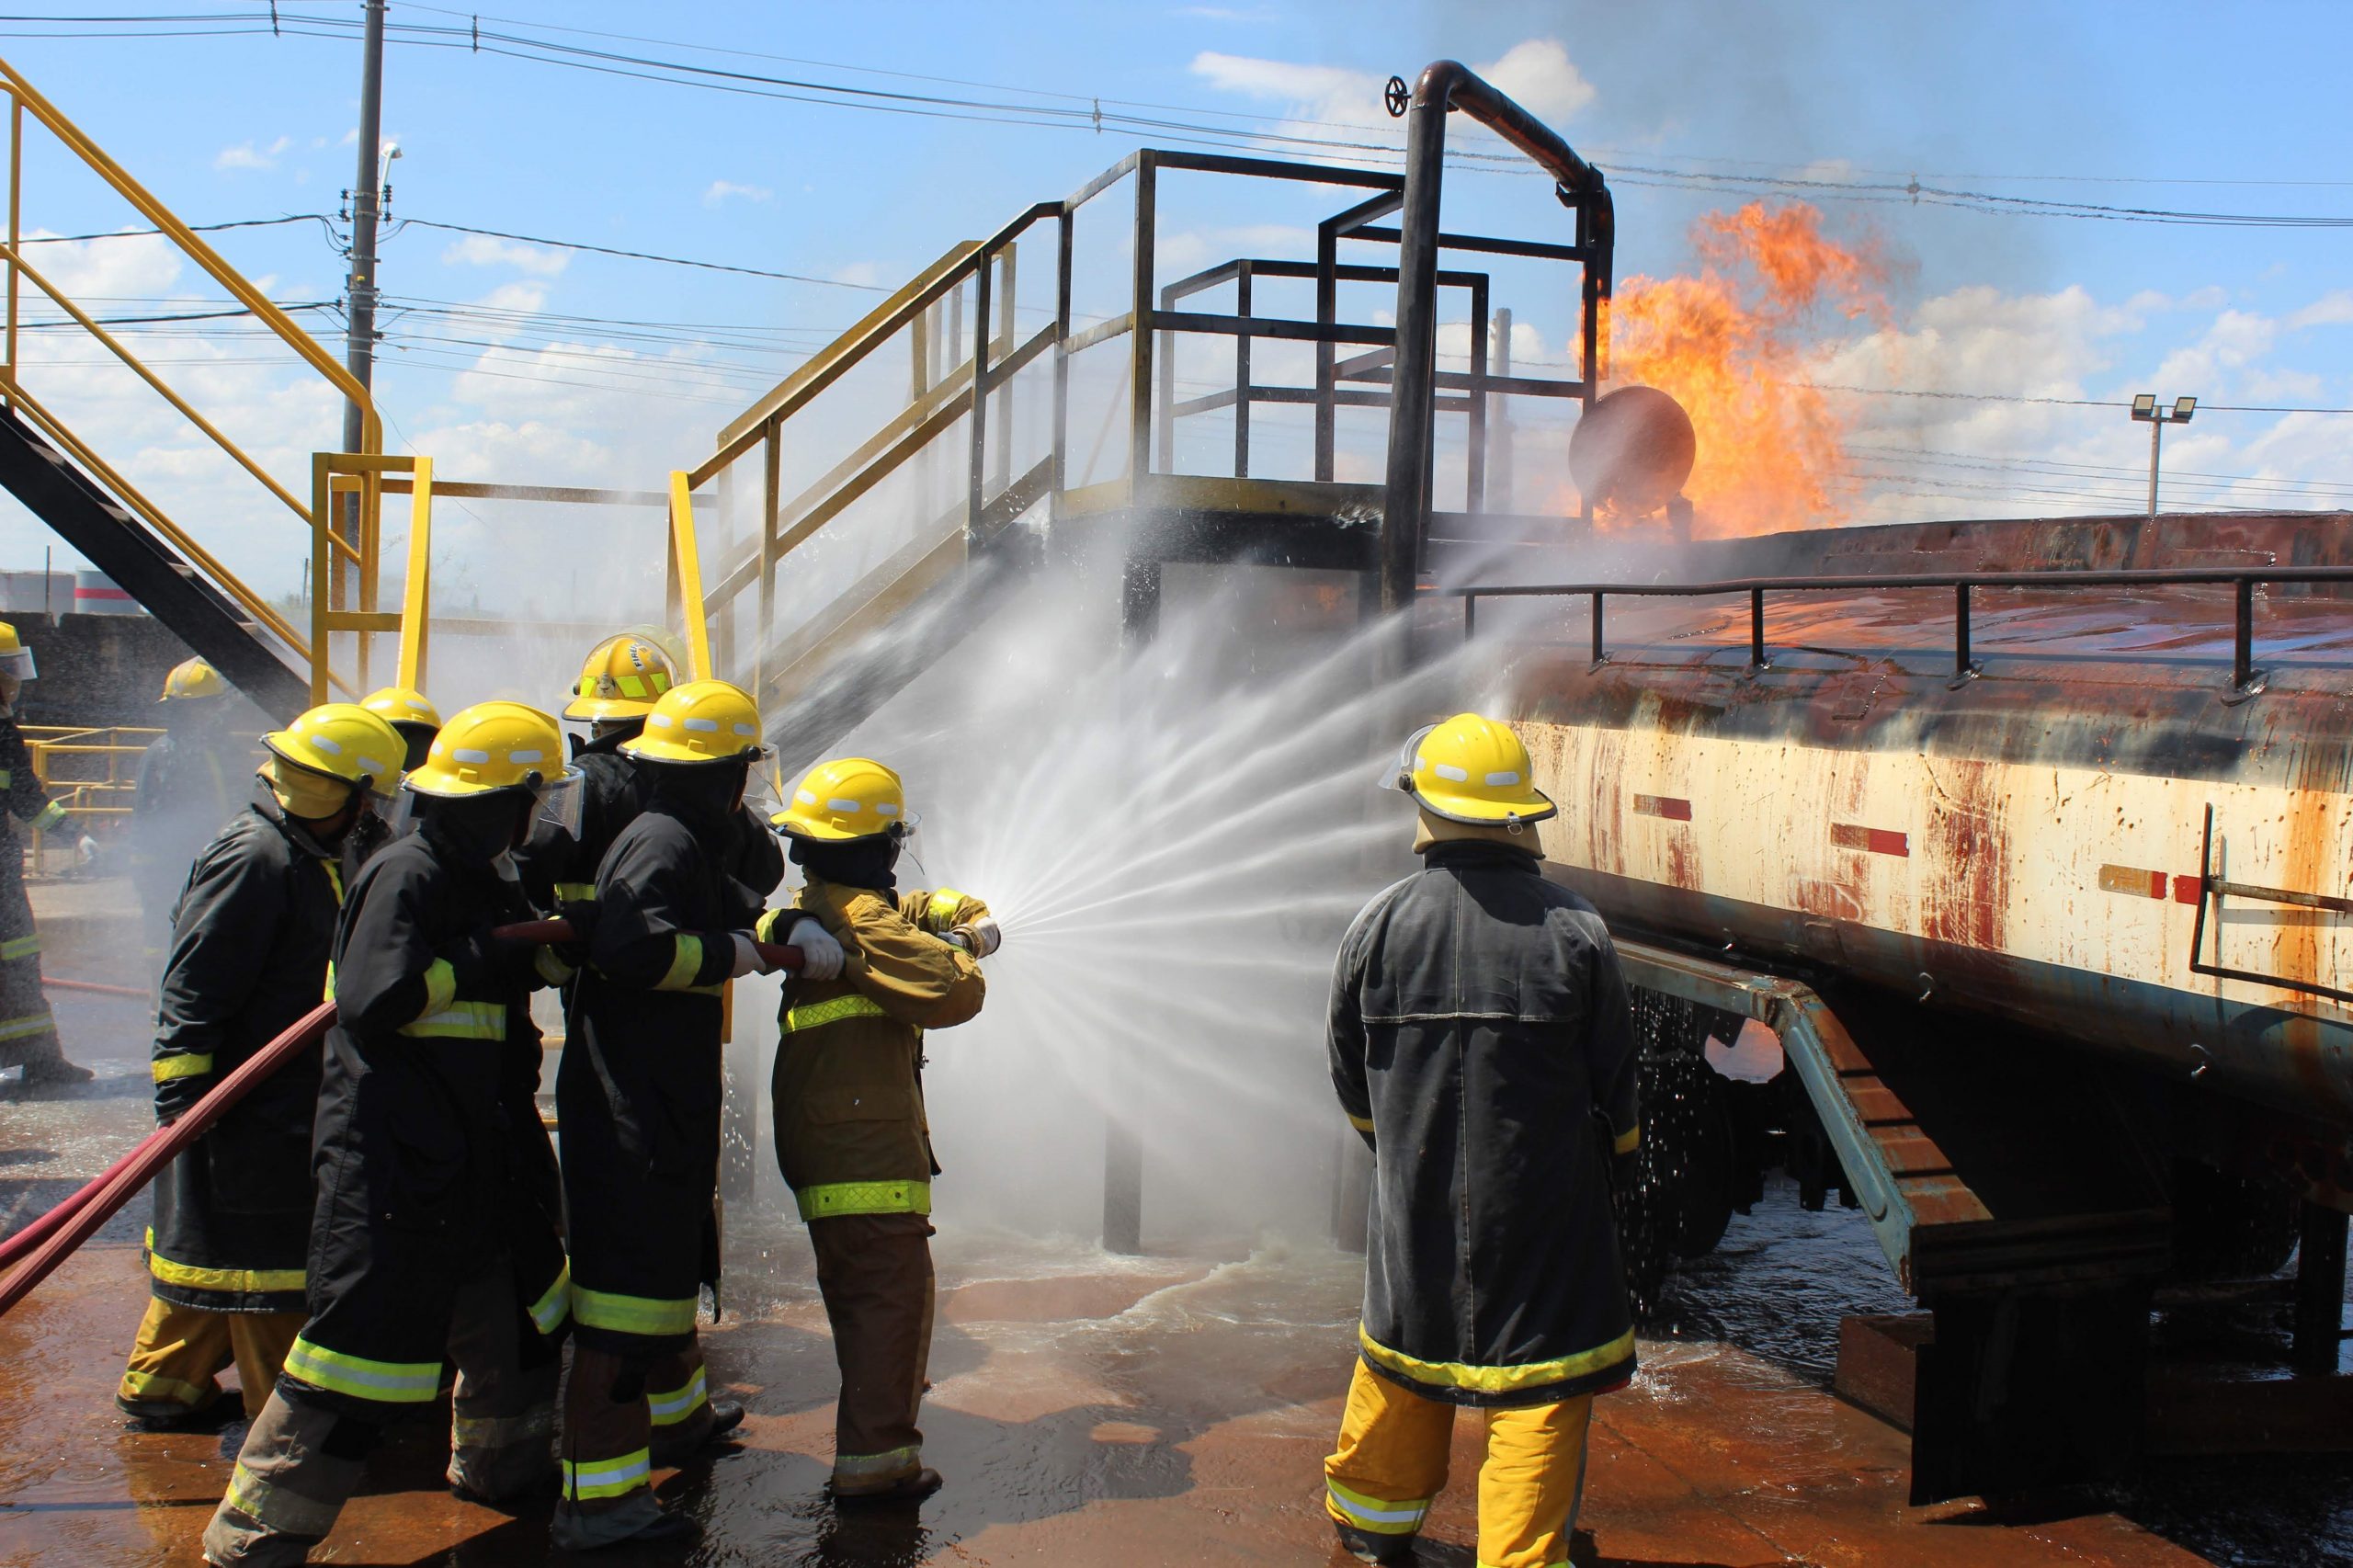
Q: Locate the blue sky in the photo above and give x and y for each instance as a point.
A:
(2230, 111)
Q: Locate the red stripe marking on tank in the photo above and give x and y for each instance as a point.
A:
(101, 593)
(2186, 890)
(1878, 840)
(2133, 880)
(1666, 806)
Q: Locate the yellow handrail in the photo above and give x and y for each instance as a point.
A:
(199, 557)
(164, 219)
(687, 554)
(416, 593)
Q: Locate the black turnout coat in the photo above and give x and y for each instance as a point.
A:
(250, 939)
(1482, 1042)
(640, 1089)
(26, 1031)
(560, 869)
(430, 1157)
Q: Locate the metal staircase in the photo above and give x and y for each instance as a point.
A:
(62, 477)
(976, 444)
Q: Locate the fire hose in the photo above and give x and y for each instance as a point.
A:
(33, 1252)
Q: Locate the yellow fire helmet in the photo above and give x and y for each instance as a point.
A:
(622, 678)
(1471, 769)
(192, 678)
(702, 721)
(412, 713)
(343, 741)
(492, 746)
(16, 659)
(850, 797)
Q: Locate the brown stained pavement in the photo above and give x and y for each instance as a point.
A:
(1087, 1411)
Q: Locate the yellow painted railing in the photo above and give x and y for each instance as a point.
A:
(330, 546)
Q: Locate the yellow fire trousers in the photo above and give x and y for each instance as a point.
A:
(1392, 1459)
(179, 1349)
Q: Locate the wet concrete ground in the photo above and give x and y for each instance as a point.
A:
(1091, 1410)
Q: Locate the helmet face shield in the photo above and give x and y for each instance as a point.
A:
(18, 662)
(560, 802)
(1400, 774)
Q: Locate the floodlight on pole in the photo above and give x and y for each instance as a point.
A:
(2145, 410)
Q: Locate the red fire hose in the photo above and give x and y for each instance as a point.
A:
(54, 984)
(37, 1250)
(97, 1203)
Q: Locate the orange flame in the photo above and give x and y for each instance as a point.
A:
(1730, 344)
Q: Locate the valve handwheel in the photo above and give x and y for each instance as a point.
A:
(1397, 95)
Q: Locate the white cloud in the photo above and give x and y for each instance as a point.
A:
(867, 273)
(248, 155)
(481, 250)
(2332, 309)
(727, 189)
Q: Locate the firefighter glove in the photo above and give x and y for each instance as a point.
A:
(980, 938)
(821, 955)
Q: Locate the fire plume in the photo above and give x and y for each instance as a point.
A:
(1730, 345)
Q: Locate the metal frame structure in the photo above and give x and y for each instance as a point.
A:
(965, 370)
(1445, 87)
(2245, 680)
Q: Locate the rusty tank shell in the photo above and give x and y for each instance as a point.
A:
(2024, 845)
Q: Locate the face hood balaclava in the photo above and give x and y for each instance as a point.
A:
(474, 830)
(851, 862)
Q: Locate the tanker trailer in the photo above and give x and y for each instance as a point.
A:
(2031, 841)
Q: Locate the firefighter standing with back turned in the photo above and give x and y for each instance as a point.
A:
(638, 1095)
(27, 1033)
(847, 1089)
(191, 781)
(1482, 1042)
(250, 939)
(435, 1232)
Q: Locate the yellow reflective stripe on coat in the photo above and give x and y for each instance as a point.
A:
(669, 1409)
(941, 912)
(576, 892)
(50, 815)
(592, 1479)
(763, 928)
(832, 1199)
(187, 1064)
(1379, 1515)
(239, 1281)
(1626, 1143)
(461, 1020)
(549, 1311)
(1495, 1380)
(19, 947)
(24, 1024)
(632, 1314)
(440, 987)
(813, 1014)
(387, 1382)
(684, 962)
(1361, 1123)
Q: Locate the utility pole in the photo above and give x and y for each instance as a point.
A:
(2146, 410)
(359, 297)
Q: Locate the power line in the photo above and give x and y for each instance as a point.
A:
(638, 254)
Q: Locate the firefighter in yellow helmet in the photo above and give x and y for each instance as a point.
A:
(434, 1233)
(250, 939)
(638, 1095)
(411, 713)
(1492, 1273)
(28, 1034)
(192, 780)
(862, 1177)
(620, 681)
